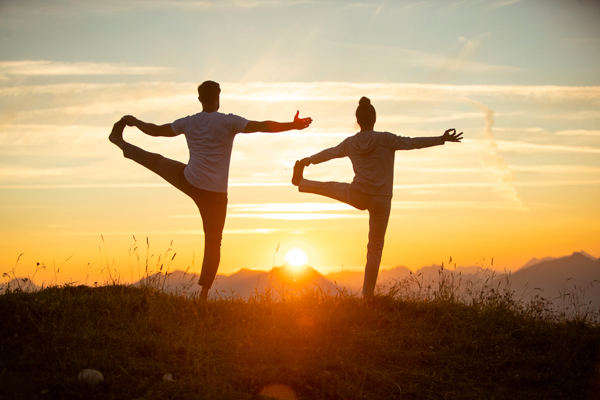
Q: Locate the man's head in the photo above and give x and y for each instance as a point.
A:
(208, 94)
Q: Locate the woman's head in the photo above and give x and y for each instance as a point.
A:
(365, 114)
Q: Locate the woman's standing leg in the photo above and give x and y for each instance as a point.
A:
(379, 215)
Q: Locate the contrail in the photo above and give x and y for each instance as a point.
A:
(494, 163)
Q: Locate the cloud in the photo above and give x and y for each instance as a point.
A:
(348, 91)
(79, 9)
(494, 163)
(282, 216)
(288, 211)
(578, 132)
(429, 60)
(556, 169)
(504, 3)
(295, 216)
(523, 147)
(56, 68)
(318, 91)
(291, 207)
(470, 205)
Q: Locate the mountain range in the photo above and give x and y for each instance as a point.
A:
(573, 279)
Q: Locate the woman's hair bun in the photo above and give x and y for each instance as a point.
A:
(364, 101)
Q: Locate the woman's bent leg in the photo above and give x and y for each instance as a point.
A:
(335, 190)
(379, 215)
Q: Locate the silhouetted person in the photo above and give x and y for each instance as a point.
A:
(372, 155)
(209, 135)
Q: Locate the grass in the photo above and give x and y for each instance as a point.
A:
(411, 342)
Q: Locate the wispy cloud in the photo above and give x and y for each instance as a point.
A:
(471, 205)
(67, 7)
(504, 3)
(556, 169)
(288, 211)
(56, 68)
(523, 147)
(319, 91)
(348, 91)
(295, 216)
(290, 207)
(578, 132)
(494, 163)
(430, 60)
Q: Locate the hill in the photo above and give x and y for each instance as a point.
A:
(570, 281)
(566, 282)
(313, 346)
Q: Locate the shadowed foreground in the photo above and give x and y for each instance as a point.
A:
(314, 346)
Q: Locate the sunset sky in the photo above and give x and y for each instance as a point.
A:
(521, 78)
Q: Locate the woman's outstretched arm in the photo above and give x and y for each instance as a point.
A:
(326, 155)
(410, 143)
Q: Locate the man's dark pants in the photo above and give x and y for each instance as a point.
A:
(212, 205)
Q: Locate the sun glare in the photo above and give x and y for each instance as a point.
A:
(296, 257)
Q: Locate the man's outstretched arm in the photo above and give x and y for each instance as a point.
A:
(150, 129)
(272, 126)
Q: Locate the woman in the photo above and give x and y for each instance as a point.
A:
(372, 155)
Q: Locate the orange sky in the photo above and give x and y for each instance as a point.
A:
(524, 183)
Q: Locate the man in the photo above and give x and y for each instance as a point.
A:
(209, 135)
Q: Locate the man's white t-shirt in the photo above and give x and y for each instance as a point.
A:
(209, 138)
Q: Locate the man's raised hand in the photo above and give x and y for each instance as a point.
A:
(301, 123)
(451, 136)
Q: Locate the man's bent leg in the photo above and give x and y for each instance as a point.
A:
(170, 170)
(379, 215)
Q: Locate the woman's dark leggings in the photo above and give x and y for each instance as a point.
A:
(212, 205)
(379, 208)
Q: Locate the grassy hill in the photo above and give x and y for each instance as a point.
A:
(312, 346)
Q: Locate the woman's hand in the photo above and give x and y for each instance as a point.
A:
(451, 136)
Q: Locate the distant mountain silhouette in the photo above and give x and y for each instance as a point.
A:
(245, 283)
(577, 275)
(24, 284)
(574, 279)
(552, 279)
(535, 261)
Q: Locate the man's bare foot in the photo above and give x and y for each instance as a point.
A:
(298, 173)
(204, 293)
(116, 135)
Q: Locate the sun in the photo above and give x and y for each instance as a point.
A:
(296, 257)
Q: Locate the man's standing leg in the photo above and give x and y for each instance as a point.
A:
(213, 210)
